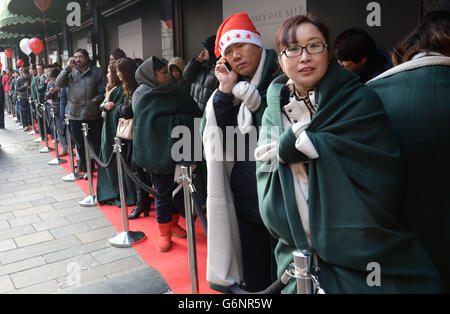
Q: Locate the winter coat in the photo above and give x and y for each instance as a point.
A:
(21, 89)
(145, 76)
(202, 78)
(353, 192)
(83, 88)
(416, 97)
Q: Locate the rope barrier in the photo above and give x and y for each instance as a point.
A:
(136, 180)
(144, 186)
(98, 159)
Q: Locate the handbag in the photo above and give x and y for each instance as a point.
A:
(125, 129)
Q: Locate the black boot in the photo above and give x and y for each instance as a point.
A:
(142, 205)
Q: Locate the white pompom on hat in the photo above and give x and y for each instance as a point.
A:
(238, 28)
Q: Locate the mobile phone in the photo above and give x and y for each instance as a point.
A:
(228, 66)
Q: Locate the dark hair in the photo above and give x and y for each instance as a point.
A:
(25, 70)
(54, 73)
(432, 34)
(287, 32)
(128, 68)
(138, 62)
(84, 52)
(354, 45)
(114, 79)
(118, 54)
(158, 64)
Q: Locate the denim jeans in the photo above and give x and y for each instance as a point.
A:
(25, 111)
(61, 129)
(165, 207)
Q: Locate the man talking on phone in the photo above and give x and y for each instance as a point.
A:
(86, 90)
(239, 245)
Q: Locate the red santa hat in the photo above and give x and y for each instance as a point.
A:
(238, 28)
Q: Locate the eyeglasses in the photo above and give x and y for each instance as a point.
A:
(312, 48)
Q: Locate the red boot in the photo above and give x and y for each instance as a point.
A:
(176, 230)
(165, 237)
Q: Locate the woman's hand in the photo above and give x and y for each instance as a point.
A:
(108, 106)
(227, 79)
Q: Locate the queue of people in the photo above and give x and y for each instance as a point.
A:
(316, 146)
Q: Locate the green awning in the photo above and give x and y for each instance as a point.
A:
(20, 24)
(8, 40)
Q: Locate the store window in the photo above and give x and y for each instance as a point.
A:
(130, 38)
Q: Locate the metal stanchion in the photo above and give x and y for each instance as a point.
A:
(305, 272)
(71, 177)
(302, 261)
(126, 238)
(56, 161)
(90, 200)
(188, 188)
(45, 149)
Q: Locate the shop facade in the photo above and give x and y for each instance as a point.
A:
(170, 28)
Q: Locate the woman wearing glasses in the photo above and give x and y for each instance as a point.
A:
(328, 181)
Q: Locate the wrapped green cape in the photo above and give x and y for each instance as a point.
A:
(108, 183)
(157, 113)
(354, 189)
(416, 97)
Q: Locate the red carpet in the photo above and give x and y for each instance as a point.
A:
(173, 265)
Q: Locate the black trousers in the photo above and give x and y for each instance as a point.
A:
(94, 138)
(256, 241)
(2, 113)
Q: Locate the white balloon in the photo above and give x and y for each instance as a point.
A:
(24, 46)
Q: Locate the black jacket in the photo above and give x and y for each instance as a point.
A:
(202, 81)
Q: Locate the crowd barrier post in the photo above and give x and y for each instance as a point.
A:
(71, 177)
(188, 189)
(91, 200)
(303, 271)
(56, 161)
(127, 237)
(45, 149)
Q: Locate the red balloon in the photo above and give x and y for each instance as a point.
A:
(35, 45)
(42, 4)
(1, 65)
(20, 63)
(9, 53)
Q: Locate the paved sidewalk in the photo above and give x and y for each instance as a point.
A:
(50, 244)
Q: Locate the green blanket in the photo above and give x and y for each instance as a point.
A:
(157, 113)
(417, 103)
(354, 189)
(108, 183)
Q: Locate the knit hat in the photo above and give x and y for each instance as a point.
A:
(238, 28)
